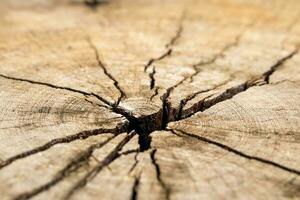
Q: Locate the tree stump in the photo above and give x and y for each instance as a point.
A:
(149, 99)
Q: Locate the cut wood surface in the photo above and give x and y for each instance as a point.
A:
(149, 99)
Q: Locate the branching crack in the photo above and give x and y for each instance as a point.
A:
(110, 76)
(70, 138)
(184, 101)
(227, 94)
(166, 189)
(237, 152)
(168, 52)
(104, 163)
(168, 46)
(73, 166)
(153, 60)
(166, 106)
(139, 125)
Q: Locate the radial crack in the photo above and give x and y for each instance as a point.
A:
(237, 152)
(57, 87)
(135, 188)
(110, 76)
(166, 95)
(158, 175)
(71, 167)
(104, 163)
(231, 92)
(169, 45)
(279, 63)
(184, 101)
(152, 79)
(153, 60)
(70, 138)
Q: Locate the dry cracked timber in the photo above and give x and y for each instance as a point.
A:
(191, 93)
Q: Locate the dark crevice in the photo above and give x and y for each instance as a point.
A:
(166, 189)
(237, 152)
(279, 63)
(142, 126)
(70, 138)
(152, 79)
(110, 76)
(135, 188)
(231, 92)
(93, 4)
(145, 125)
(81, 160)
(113, 155)
(57, 87)
(166, 105)
(227, 94)
(168, 46)
(184, 101)
(153, 60)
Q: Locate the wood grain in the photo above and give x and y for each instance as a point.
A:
(149, 99)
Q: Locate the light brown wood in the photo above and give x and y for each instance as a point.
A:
(149, 99)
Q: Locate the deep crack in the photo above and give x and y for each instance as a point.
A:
(152, 79)
(104, 163)
(145, 125)
(71, 167)
(93, 4)
(279, 63)
(135, 188)
(237, 152)
(168, 52)
(58, 87)
(166, 189)
(67, 139)
(110, 76)
(184, 101)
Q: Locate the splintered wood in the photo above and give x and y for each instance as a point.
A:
(149, 99)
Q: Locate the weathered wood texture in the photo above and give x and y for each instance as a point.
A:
(149, 99)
